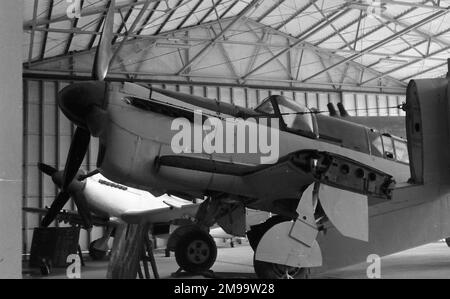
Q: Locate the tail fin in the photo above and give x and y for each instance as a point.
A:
(428, 130)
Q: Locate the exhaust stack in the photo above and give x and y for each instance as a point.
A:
(342, 110)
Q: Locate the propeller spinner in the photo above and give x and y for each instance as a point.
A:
(74, 190)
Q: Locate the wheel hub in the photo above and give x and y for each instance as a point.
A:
(198, 252)
(286, 272)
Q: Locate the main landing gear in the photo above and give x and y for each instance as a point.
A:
(99, 248)
(268, 270)
(195, 250)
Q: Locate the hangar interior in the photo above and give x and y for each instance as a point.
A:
(236, 51)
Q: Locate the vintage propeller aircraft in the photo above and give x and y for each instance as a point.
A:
(109, 204)
(340, 191)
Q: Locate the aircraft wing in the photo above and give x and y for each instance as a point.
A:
(71, 217)
(165, 214)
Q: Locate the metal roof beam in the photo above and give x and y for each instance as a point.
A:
(296, 13)
(148, 17)
(131, 29)
(84, 13)
(230, 7)
(33, 31)
(414, 4)
(241, 42)
(220, 35)
(124, 22)
(382, 42)
(406, 65)
(99, 26)
(191, 12)
(342, 29)
(425, 35)
(344, 87)
(269, 11)
(209, 11)
(74, 25)
(399, 53)
(425, 71)
(298, 42)
(169, 15)
(331, 24)
(381, 26)
(44, 39)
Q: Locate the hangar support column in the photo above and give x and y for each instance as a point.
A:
(10, 138)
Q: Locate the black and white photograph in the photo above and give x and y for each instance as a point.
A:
(224, 145)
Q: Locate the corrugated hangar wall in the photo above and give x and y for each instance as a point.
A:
(47, 134)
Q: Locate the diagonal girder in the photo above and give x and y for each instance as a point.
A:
(425, 71)
(219, 36)
(406, 65)
(269, 11)
(382, 42)
(335, 15)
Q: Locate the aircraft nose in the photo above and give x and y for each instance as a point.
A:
(85, 104)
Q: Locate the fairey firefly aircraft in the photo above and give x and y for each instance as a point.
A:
(341, 191)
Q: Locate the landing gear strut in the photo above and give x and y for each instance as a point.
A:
(268, 270)
(95, 253)
(99, 248)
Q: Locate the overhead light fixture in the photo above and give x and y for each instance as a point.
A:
(173, 39)
(394, 61)
(173, 45)
(372, 7)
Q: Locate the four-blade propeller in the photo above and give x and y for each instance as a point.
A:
(85, 105)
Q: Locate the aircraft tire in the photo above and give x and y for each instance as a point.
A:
(195, 251)
(447, 240)
(256, 232)
(267, 270)
(95, 254)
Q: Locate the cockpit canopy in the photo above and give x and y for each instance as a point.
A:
(295, 116)
(298, 119)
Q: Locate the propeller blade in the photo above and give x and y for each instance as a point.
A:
(104, 52)
(55, 208)
(83, 209)
(78, 149)
(47, 169)
(88, 175)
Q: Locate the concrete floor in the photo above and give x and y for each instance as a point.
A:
(429, 261)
